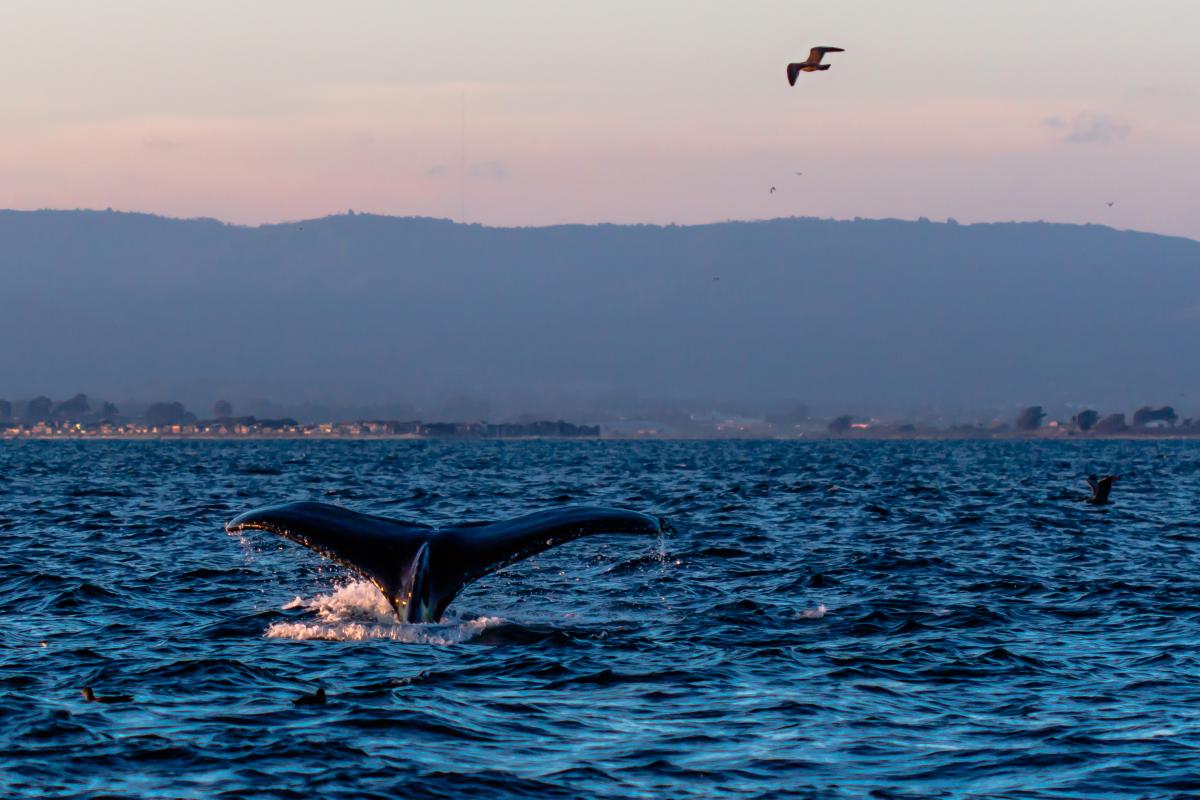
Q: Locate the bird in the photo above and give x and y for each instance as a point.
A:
(772, 190)
(1110, 205)
(1100, 488)
(317, 698)
(813, 64)
(92, 697)
(799, 173)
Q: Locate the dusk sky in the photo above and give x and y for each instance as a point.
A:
(618, 111)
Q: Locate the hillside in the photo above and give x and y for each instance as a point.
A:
(359, 309)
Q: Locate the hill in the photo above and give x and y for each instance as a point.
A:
(865, 315)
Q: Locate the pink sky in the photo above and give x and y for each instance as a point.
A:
(583, 112)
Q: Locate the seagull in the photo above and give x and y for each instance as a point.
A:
(799, 173)
(1110, 205)
(813, 64)
(317, 698)
(1100, 488)
(92, 697)
(772, 190)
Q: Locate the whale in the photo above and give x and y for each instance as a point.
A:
(420, 569)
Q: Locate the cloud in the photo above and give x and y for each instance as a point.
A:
(1163, 92)
(158, 143)
(484, 170)
(489, 170)
(362, 139)
(1089, 128)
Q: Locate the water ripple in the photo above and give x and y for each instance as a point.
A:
(826, 620)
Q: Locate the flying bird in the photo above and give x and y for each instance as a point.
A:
(813, 64)
(1110, 205)
(1100, 489)
(772, 190)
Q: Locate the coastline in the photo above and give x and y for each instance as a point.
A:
(73, 436)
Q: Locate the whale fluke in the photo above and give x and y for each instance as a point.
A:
(1100, 488)
(421, 569)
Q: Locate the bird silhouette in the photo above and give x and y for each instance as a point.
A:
(772, 190)
(799, 173)
(317, 698)
(92, 697)
(1110, 205)
(812, 64)
(1100, 488)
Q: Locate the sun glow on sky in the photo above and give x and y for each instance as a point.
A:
(530, 113)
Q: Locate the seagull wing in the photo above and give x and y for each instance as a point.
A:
(793, 73)
(817, 53)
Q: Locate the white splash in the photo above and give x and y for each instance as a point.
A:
(358, 612)
(812, 613)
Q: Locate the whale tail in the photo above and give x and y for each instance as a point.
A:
(420, 569)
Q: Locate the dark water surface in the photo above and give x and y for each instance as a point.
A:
(828, 620)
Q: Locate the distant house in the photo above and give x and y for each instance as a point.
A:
(1147, 417)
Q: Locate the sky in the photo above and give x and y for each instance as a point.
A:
(552, 111)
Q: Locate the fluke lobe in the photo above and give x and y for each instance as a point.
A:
(420, 569)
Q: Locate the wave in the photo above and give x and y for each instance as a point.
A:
(357, 611)
(812, 613)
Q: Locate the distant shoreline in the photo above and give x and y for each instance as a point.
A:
(815, 437)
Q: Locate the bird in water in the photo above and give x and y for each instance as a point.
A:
(812, 64)
(1100, 489)
(317, 698)
(92, 697)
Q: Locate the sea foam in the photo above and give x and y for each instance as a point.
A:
(357, 611)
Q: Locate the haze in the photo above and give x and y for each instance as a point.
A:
(676, 111)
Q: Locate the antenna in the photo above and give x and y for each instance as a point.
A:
(462, 158)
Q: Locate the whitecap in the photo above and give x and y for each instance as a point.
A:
(812, 613)
(357, 611)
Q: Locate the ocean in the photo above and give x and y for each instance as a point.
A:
(824, 620)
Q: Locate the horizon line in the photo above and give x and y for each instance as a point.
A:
(350, 213)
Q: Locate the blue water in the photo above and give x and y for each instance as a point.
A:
(827, 620)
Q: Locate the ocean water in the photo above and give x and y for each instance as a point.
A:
(826, 620)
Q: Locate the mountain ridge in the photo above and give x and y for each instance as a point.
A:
(359, 309)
